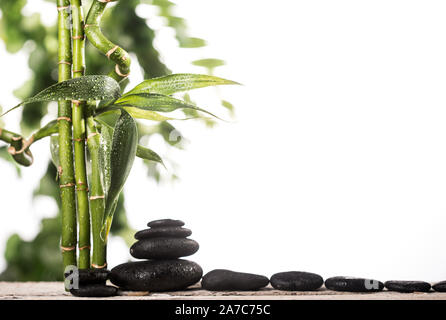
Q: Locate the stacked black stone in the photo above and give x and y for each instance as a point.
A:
(162, 245)
(92, 284)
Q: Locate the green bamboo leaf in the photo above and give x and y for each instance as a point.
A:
(82, 88)
(146, 114)
(156, 102)
(122, 155)
(209, 63)
(54, 149)
(148, 154)
(178, 83)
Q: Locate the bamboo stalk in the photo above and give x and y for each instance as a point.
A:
(16, 142)
(66, 170)
(78, 108)
(97, 198)
(108, 48)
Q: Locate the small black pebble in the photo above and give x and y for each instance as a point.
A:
(440, 286)
(226, 280)
(95, 290)
(407, 286)
(165, 223)
(171, 232)
(296, 281)
(349, 284)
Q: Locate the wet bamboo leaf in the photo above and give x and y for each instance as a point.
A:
(156, 102)
(147, 154)
(82, 88)
(122, 155)
(178, 83)
(54, 149)
(146, 114)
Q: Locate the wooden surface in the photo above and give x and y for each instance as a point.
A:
(55, 290)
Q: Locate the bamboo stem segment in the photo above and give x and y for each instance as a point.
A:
(67, 194)
(78, 108)
(97, 198)
(108, 48)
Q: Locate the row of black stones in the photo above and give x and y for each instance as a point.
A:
(226, 280)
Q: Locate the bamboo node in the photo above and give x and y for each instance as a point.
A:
(97, 197)
(84, 247)
(91, 135)
(120, 73)
(110, 52)
(12, 151)
(67, 185)
(62, 8)
(99, 267)
(76, 102)
(68, 248)
(78, 139)
(65, 62)
(64, 118)
(78, 37)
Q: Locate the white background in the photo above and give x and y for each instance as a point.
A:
(336, 162)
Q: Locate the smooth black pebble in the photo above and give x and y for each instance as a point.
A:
(407, 286)
(163, 248)
(226, 280)
(156, 275)
(165, 223)
(93, 276)
(350, 284)
(95, 290)
(171, 232)
(296, 281)
(440, 286)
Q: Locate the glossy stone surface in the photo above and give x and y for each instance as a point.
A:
(296, 281)
(163, 248)
(165, 223)
(168, 232)
(226, 280)
(440, 286)
(407, 286)
(95, 290)
(156, 275)
(350, 284)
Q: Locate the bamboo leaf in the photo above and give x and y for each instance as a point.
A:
(82, 89)
(156, 102)
(122, 155)
(146, 114)
(177, 83)
(148, 154)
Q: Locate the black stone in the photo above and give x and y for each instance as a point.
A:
(170, 232)
(95, 290)
(350, 284)
(407, 286)
(93, 276)
(440, 286)
(165, 223)
(226, 280)
(296, 281)
(156, 275)
(163, 248)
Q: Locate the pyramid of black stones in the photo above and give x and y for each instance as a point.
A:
(160, 246)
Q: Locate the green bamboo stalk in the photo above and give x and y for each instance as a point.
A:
(66, 170)
(78, 109)
(97, 38)
(97, 197)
